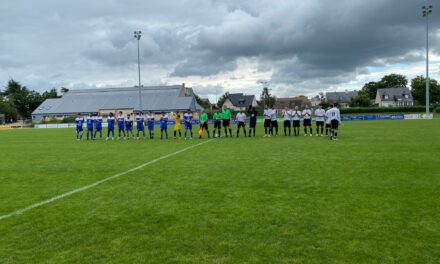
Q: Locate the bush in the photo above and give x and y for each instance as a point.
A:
(70, 119)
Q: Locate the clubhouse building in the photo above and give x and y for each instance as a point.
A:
(157, 99)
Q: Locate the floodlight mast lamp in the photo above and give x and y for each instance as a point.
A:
(426, 10)
(137, 35)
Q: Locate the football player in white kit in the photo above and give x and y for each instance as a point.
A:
(307, 120)
(296, 117)
(287, 116)
(319, 117)
(334, 116)
(241, 122)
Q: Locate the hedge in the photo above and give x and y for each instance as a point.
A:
(366, 110)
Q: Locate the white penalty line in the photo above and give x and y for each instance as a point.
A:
(58, 197)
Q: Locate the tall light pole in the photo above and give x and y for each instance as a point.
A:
(426, 10)
(137, 35)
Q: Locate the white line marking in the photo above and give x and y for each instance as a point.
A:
(58, 197)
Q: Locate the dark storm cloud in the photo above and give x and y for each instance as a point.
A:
(306, 44)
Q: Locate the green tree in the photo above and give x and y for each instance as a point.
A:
(393, 80)
(361, 100)
(205, 104)
(64, 90)
(418, 85)
(52, 93)
(388, 81)
(222, 99)
(266, 99)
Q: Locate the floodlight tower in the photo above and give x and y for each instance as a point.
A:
(137, 35)
(426, 10)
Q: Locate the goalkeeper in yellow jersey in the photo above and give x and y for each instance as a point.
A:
(177, 126)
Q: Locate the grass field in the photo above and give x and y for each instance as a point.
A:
(371, 197)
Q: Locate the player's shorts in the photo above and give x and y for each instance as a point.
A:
(121, 127)
(140, 127)
(335, 124)
(327, 125)
(253, 123)
(241, 124)
(98, 128)
(307, 122)
(188, 126)
(163, 126)
(150, 126)
(320, 123)
(79, 128)
(177, 126)
(217, 124)
(89, 128)
(111, 127)
(204, 125)
(266, 122)
(129, 128)
(296, 123)
(226, 122)
(274, 123)
(287, 123)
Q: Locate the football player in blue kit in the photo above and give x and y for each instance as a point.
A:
(129, 127)
(98, 125)
(164, 125)
(187, 117)
(140, 124)
(90, 120)
(111, 126)
(150, 123)
(79, 121)
(121, 125)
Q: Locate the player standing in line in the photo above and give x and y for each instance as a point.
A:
(177, 125)
(90, 120)
(227, 117)
(111, 126)
(335, 118)
(273, 121)
(129, 126)
(140, 124)
(241, 122)
(164, 125)
(287, 116)
(187, 117)
(98, 125)
(150, 123)
(307, 122)
(217, 124)
(121, 125)
(267, 115)
(296, 118)
(320, 116)
(327, 123)
(253, 120)
(203, 124)
(79, 127)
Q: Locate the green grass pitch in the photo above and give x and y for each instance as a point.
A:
(371, 197)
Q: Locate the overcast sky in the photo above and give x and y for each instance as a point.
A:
(299, 47)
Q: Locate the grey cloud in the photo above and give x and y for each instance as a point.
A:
(306, 44)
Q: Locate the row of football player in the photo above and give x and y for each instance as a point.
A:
(125, 125)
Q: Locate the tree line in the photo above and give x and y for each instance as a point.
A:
(18, 102)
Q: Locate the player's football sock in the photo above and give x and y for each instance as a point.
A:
(285, 132)
(207, 131)
(311, 130)
(244, 131)
(230, 132)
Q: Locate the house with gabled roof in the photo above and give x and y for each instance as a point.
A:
(240, 102)
(394, 97)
